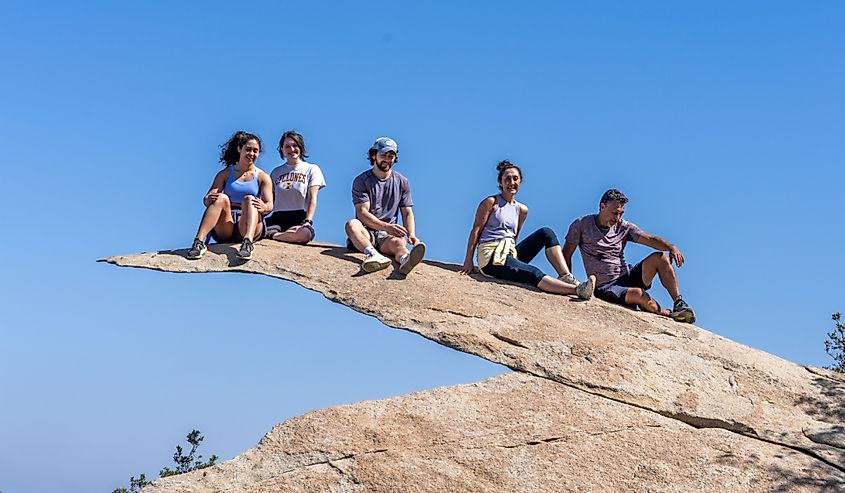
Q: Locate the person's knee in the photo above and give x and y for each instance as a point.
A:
(636, 296)
(549, 236)
(247, 204)
(393, 244)
(223, 200)
(659, 258)
(302, 235)
(353, 225)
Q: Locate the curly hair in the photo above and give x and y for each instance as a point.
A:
(230, 153)
(296, 137)
(503, 166)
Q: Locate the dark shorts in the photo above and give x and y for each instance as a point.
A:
(376, 239)
(235, 237)
(614, 292)
(287, 219)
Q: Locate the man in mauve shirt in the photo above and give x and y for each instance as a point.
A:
(602, 238)
(379, 195)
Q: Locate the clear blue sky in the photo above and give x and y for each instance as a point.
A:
(723, 123)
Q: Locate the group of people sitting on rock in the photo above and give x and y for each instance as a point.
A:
(245, 204)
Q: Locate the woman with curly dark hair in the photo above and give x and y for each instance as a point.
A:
(296, 184)
(498, 221)
(239, 197)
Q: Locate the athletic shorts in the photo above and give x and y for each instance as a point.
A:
(615, 291)
(376, 239)
(236, 233)
(287, 219)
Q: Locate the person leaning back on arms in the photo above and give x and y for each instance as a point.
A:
(240, 195)
(498, 222)
(379, 195)
(602, 238)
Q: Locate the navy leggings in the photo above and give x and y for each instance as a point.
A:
(517, 269)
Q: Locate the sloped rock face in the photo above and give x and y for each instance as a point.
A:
(780, 424)
(510, 433)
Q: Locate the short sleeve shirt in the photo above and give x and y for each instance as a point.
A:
(385, 196)
(603, 250)
(291, 184)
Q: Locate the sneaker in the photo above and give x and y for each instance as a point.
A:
(586, 288)
(245, 253)
(197, 250)
(569, 279)
(269, 231)
(375, 262)
(413, 258)
(682, 312)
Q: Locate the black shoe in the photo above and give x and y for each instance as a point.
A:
(682, 312)
(197, 250)
(269, 231)
(245, 253)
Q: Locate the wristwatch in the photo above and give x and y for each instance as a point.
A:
(308, 221)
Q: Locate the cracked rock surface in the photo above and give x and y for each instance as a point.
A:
(725, 416)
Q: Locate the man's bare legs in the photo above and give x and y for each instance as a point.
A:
(360, 238)
(656, 264)
(393, 246)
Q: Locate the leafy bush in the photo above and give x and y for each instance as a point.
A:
(184, 463)
(835, 344)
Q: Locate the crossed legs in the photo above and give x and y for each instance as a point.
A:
(393, 246)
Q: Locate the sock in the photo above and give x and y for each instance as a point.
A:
(370, 250)
(403, 258)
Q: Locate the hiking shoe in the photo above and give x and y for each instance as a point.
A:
(197, 250)
(375, 262)
(586, 288)
(682, 312)
(413, 258)
(569, 279)
(269, 231)
(245, 253)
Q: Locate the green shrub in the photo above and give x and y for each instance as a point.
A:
(835, 344)
(184, 463)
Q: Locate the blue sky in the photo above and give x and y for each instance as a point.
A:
(722, 122)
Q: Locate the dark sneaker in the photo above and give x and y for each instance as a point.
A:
(245, 253)
(569, 279)
(682, 312)
(269, 231)
(416, 255)
(586, 288)
(197, 250)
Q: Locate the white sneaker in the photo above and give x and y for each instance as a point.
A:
(569, 279)
(586, 288)
(375, 262)
(414, 257)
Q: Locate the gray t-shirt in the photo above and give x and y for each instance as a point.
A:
(385, 196)
(603, 250)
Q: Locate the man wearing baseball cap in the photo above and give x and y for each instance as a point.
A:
(379, 195)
